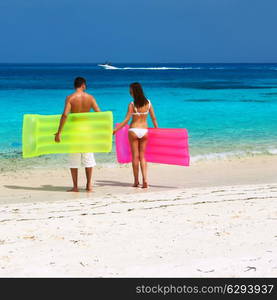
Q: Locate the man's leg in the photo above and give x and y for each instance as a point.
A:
(88, 162)
(74, 175)
(89, 176)
(74, 161)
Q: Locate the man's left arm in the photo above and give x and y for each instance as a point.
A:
(94, 105)
(67, 109)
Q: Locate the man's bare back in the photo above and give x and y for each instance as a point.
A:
(80, 102)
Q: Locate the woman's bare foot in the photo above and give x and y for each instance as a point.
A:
(75, 189)
(145, 185)
(136, 184)
(89, 188)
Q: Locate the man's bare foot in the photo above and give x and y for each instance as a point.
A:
(73, 190)
(89, 188)
(145, 185)
(136, 184)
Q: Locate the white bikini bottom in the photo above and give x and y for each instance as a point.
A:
(140, 132)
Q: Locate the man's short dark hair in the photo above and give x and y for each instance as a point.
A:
(79, 81)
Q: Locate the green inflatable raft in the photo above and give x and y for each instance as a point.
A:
(82, 133)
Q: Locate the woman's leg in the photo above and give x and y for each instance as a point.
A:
(143, 163)
(133, 140)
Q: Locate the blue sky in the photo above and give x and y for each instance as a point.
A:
(138, 31)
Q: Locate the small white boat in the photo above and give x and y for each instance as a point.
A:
(107, 66)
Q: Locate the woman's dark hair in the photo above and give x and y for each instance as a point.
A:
(139, 98)
(79, 81)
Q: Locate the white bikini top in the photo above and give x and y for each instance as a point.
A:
(141, 113)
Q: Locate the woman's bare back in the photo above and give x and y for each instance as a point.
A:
(140, 121)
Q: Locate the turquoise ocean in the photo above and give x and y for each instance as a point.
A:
(229, 110)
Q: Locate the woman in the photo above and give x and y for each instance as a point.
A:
(138, 110)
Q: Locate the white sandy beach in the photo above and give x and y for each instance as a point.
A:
(213, 219)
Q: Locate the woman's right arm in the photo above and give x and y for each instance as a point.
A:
(126, 120)
(153, 117)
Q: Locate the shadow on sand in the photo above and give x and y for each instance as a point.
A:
(100, 183)
(127, 184)
(45, 187)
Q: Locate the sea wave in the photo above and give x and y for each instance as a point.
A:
(151, 68)
(12, 160)
(164, 68)
(185, 68)
(232, 154)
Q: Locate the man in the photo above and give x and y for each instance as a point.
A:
(78, 102)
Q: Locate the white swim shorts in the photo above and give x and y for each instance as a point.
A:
(77, 160)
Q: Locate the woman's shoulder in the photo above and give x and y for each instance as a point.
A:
(131, 106)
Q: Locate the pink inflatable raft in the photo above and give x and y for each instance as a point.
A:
(165, 146)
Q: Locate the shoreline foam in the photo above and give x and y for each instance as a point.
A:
(13, 161)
